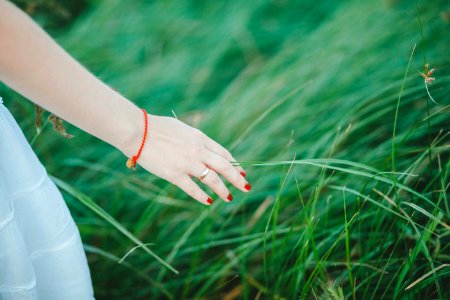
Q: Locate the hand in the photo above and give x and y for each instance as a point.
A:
(176, 152)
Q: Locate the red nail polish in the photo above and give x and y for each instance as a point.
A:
(243, 174)
(210, 201)
(230, 197)
(248, 187)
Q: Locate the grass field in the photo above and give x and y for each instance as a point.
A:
(323, 104)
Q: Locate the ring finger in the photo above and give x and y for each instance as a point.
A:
(220, 150)
(226, 169)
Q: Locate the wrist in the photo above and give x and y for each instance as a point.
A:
(132, 132)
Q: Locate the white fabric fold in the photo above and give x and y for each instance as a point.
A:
(41, 254)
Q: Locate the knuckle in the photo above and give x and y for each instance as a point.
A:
(182, 184)
(175, 178)
(182, 165)
(232, 170)
(216, 181)
(221, 168)
(228, 155)
(228, 170)
(186, 184)
(235, 177)
(200, 147)
(191, 190)
(203, 136)
(223, 151)
(199, 134)
(195, 149)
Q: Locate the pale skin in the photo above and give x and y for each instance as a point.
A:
(35, 66)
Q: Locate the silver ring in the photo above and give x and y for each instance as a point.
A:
(203, 175)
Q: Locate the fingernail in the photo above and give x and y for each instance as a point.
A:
(210, 201)
(230, 197)
(248, 187)
(243, 174)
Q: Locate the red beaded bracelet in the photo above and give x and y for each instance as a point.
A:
(131, 162)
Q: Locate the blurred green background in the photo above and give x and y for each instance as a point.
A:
(306, 95)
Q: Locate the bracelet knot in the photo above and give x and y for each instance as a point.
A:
(131, 162)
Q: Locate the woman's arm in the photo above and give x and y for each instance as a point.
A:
(35, 66)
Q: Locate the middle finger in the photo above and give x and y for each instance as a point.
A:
(225, 168)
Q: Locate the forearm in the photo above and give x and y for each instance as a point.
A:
(35, 66)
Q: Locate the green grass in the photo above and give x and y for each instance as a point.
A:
(322, 104)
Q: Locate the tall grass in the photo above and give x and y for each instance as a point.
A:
(348, 161)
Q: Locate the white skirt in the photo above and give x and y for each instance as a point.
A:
(41, 254)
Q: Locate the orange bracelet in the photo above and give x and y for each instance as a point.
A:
(131, 162)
